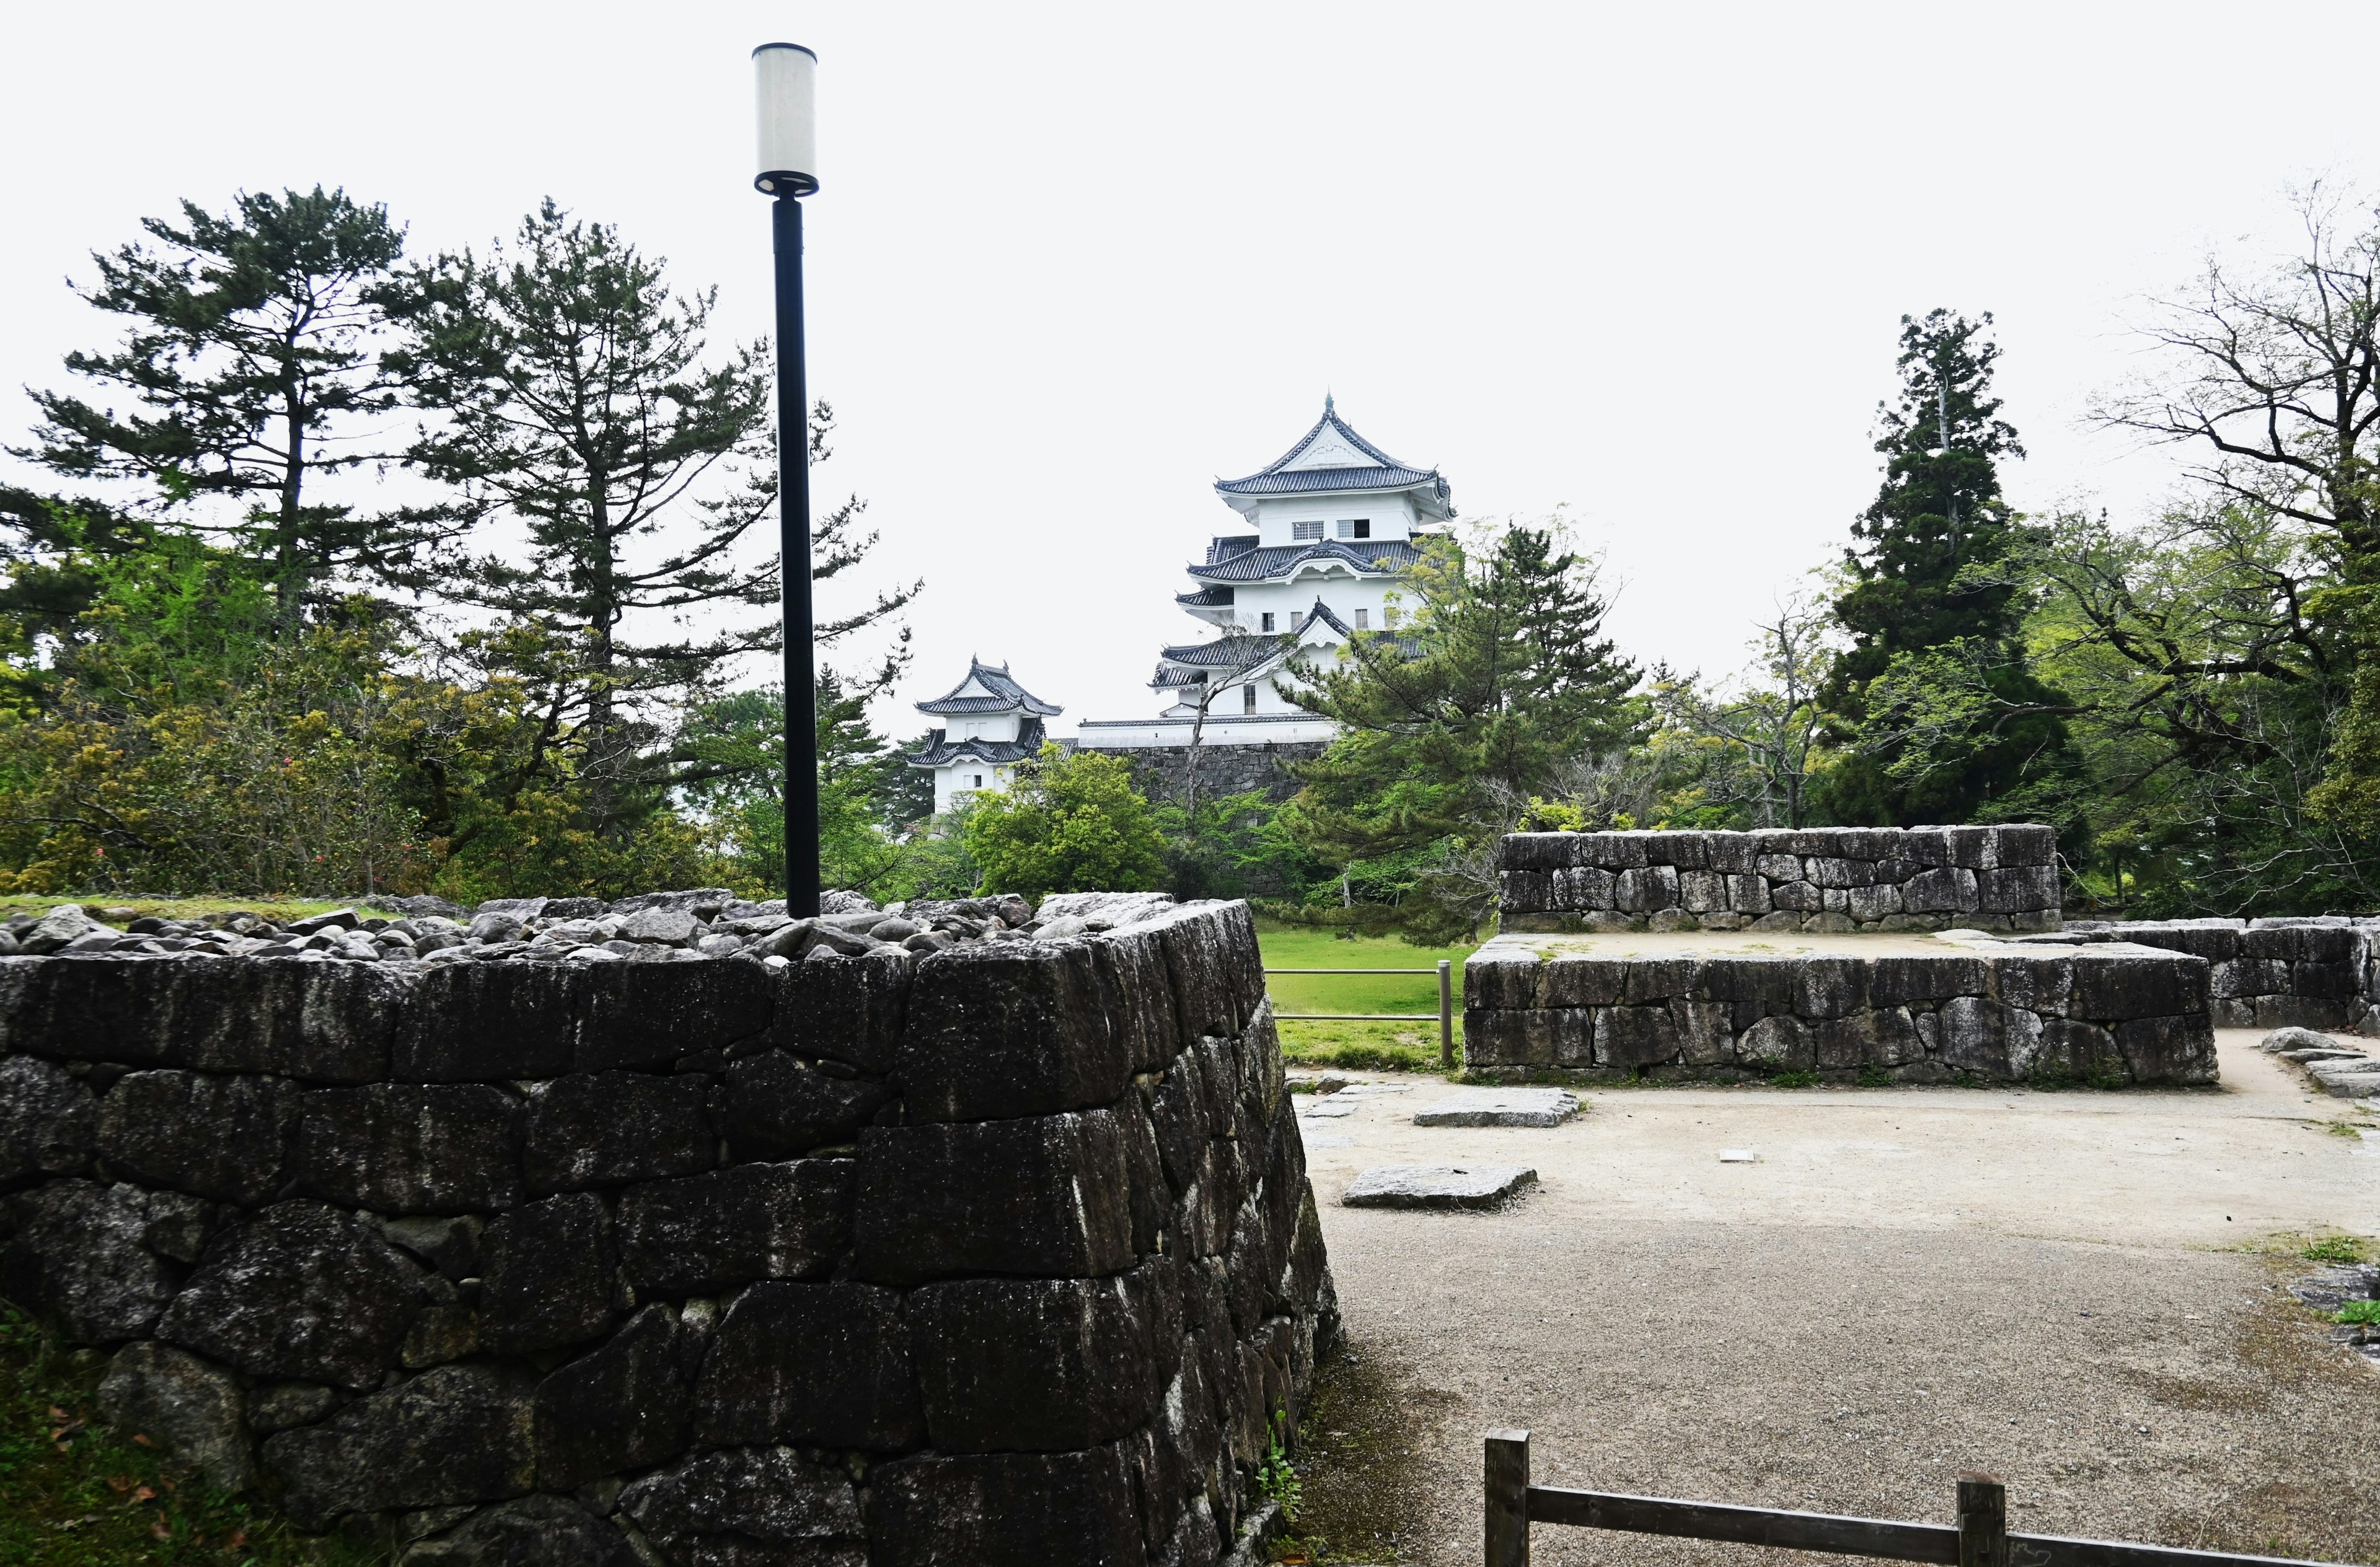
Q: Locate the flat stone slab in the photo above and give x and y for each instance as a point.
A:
(1437, 1186)
(1311, 1109)
(1500, 1107)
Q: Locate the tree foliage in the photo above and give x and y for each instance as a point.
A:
(1068, 821)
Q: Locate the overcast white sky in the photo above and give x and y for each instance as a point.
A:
(1070, 263)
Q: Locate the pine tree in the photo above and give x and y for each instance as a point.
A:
(251, 361)
(1938, 716)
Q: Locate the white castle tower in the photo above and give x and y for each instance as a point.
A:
(1335, 518)
(989, 724)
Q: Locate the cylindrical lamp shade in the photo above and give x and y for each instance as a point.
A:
(786, 75)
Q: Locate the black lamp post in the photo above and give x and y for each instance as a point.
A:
(786, 75)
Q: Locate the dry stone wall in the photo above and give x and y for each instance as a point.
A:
(1837, 879)
(998, 1254)
(1991, 1011)
(2311, 972)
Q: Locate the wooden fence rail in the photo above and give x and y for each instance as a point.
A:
(1980, 1538)
(1445, 973)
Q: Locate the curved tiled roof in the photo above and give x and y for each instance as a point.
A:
(940, 753)
(1205, 599)
(1244, 651)
(1384, 472)
(1007, 695)
(1385, 555)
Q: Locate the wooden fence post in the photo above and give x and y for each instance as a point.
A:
(1983, 1522)
(1507, 1499)
(1445, 1015)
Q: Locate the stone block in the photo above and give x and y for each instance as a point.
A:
(1973, 848)
(1869, 904)
(1004, 1510)
(1573, 980)
(712, 1232)
(552, 1271)
(1635, 1036)
(1896, 980)
(409, 1148)
(2248, 977)
(323, 1023)
(1766, 983)
(2327, 982)
(1437, 1186)
(454, 1434)
(1179, 1121)
(1496, 978)
(535, 1531)
(1500, 1108)
(1074, 1366)
(1047, 1197)
(604, 1128)
(276, 1407)
(2020, 889)
(2300, 1011)
(846, 1009)
(850, 1386)
(651, 1014)
(1799, 898)
(1586, 887)
(1218, 973)
(2173, 1050)
(1009, 1028)
(1645, 889)
(1831, 872)
(187, 1408)
(2025, 844)
(1987, 1037)
(1705, 1032)
(625, 1404)
(2109, 987)
(775, 1106)
(1829, 987)
(2082, 1050)
(300, 1292)
(1136, 992)
(2331, 944)
(1535, 851)
(488, 1022)
(1611, 852)
(1749, 895)
(1885, 1037)
(2044, 984)
(226, 1137)
(1781, 1043)
(1660, 978)
(1776, 866)
(750, 1507)
(98, 1261)
(48, 1121)
(1542, 1037)
(1947, 890)
(2286, 943)
(1522, 891)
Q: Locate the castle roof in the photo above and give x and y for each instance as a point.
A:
(941, 752)
(1275, 562)
(987, 689)
(1330, 458)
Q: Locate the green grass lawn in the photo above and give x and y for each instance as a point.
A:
(1360, 1046)
(277, 909)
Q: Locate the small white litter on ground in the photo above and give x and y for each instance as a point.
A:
(1738, 1156)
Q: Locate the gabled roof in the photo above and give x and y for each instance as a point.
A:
(1204, 598)
(942, 753)
(1275, 562)
(987, 689)
(1245, 651)
(1332, 456)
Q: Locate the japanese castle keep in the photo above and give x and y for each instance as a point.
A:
(1333, 520)
(989, 724)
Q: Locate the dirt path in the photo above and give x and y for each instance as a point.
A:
(2064, 1289)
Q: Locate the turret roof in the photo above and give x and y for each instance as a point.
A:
(993, 692)
(941, 752)
(1330, 457)
(1274, 562)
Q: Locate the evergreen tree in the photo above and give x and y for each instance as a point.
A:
(251, 364)
(1938, 715)
(1066, 823)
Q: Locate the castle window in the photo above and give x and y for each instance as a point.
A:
(1297, 620)
(1302, 531)
(1248, 700)
(979, 781)
(1268, 619)
(1359, 528)
(1363, 619)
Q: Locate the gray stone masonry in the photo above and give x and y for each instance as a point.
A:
(1000, 1251)
(1824, 879)
(1981, 1010)
(2314, 972)
(1159, 771)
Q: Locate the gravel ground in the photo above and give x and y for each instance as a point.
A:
(2077, 1292)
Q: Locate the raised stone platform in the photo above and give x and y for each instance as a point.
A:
(996, 1252)
(1961, 1005)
